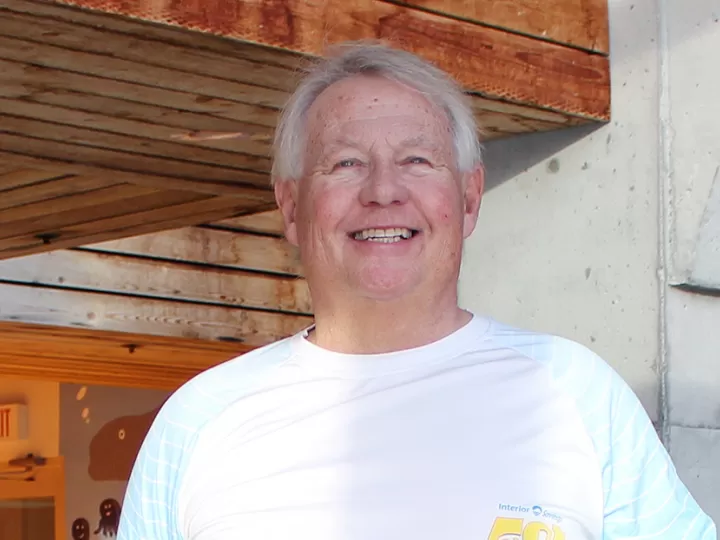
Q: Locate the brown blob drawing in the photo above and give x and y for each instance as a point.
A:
(80, 529)
(116, 445)
(109, 518)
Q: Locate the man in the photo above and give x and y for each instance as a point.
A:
(399, 415)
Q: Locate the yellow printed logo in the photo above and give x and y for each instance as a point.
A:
(505, 528)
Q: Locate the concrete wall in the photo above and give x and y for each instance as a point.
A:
(43, 409)
(611, 236)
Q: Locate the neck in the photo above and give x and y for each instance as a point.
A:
(374, 327)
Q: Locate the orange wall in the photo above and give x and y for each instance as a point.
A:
(43, 402)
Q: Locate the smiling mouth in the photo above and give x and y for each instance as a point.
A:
(385, 236)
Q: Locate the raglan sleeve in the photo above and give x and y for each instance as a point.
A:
(644, 496)
(149, 510)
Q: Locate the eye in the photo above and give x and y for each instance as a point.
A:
(417, 160)
(345, 163)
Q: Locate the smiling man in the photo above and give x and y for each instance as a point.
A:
(399, 415)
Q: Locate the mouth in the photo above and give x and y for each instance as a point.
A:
(384, 236)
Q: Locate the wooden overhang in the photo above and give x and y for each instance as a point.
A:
(125, 117)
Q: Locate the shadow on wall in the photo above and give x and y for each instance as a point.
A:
(507, 158)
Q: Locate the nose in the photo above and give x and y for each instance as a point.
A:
(383, 187)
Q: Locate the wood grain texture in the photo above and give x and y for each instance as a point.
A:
(142, 215)
(50, 191)
(32, 82)
(579, 23)
(12, 177)
(178, 116)
(93, 310)
(216, 247)
(76, 355)
(78, 145)
(145, 52)
(487, 61)
(59, 164)
(116, 196)
(155, 279)
(101, 65)
(175, 157)
(269, 222)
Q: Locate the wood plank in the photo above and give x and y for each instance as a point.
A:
(16, 177)
(579, 23)
(151, 278)
(119, 201)
(29, 118)
(132, 115)
(125, 70)
(160, 32)
(221, 248)
(76, 355)
(138, 222)
(270, 222)
(49, 143)
(106, 113)
(61, 165)
(130, 118)
(135, 315)
(141, 50)
(19, 77)
(50, 190)
(112, 195)
(488, 61)
(501, 124)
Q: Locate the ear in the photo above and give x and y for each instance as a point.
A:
(286, 198)
(474, 188)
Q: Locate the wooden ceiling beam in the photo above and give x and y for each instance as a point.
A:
(217, 247)
(488, 61)
(58, 231)
(101, 357)
(155, 278)
(47, 142)
(25, 153)
(169, 107)
(67, 307)
(577, 23)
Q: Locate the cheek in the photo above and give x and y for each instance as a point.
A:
(325, 209)
(445, 208)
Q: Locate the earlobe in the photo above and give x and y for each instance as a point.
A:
(286, 198)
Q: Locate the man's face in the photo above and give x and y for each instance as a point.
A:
(381, 208)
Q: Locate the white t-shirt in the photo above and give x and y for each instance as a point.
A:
(491, 433)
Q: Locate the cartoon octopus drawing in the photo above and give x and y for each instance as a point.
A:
(109, 518)
(80, 529)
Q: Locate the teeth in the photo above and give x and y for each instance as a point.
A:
(383, 235)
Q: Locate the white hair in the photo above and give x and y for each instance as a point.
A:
(367, 58)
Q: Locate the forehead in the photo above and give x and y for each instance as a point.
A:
(374, 106)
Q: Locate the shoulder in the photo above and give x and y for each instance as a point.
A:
(600, 396)
(643, 495)
(152, 497)
(568, 361)
(206, 395)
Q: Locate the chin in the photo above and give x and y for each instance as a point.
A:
(386, 290)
